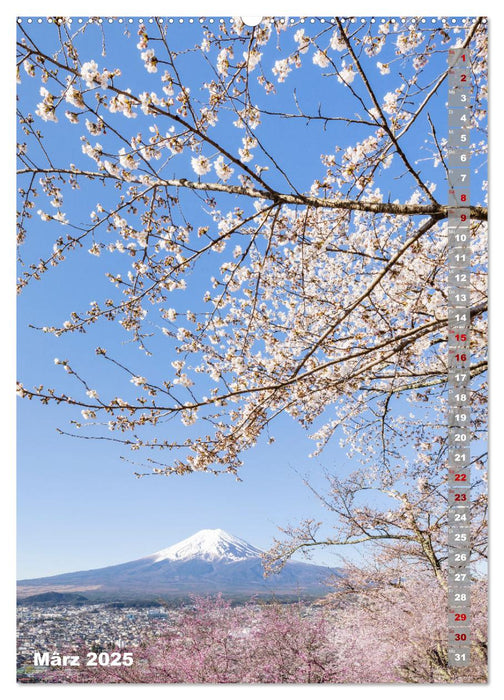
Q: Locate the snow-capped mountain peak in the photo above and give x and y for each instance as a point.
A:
(209, 562)
(210, 545)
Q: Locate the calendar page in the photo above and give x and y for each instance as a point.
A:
(252, 349)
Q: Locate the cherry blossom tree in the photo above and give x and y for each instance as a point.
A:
(324, 300)
(401, 511)
(398, 632)
(213, 642)
(396, 636)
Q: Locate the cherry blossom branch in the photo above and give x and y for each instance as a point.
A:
(383, 119)
(436, 210)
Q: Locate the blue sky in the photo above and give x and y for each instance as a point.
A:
(79, 505)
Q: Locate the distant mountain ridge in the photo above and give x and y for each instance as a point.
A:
(209, 561)
(53, 598)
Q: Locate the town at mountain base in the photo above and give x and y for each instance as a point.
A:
(208, 562)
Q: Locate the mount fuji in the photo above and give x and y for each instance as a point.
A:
(210, 545)
(209, 561)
